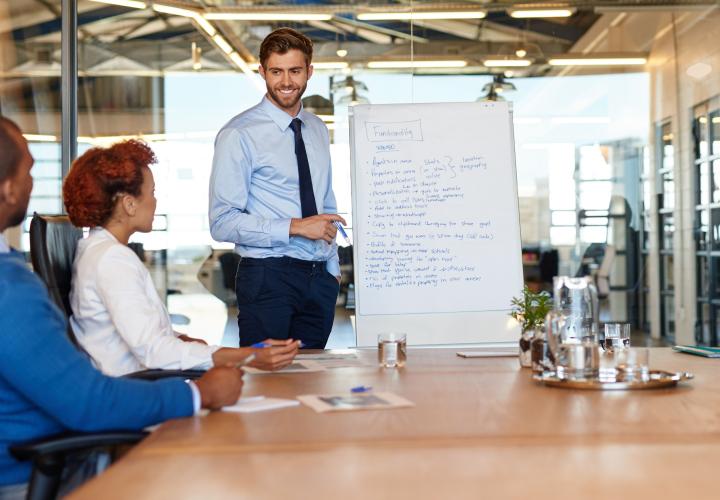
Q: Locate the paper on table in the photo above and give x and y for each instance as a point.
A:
(331, 364)
(260, 403)
(332, 360)
(305, 366)
(350, 402)
(327, 355)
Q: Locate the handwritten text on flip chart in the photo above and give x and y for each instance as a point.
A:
(418, 232)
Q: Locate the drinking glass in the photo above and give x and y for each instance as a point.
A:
(392, 349)
(632, 364)
(617, 336)
(578, 361)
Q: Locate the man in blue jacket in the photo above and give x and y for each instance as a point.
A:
(46, 385)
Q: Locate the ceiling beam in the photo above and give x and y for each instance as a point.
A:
(368, 27)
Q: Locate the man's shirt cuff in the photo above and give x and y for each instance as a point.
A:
(197, 399)
(280, 231)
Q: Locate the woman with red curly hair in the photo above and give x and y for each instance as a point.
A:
(118, 316)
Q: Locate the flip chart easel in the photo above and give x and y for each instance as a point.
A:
(436, 228)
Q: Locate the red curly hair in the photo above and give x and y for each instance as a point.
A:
(97, 176)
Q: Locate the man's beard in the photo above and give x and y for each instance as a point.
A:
(18, 217)
(279, 99)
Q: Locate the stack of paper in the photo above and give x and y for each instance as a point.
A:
(350, 402)
(308, 366)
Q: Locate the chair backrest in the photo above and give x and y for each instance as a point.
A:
(53, 241)
(549, 263)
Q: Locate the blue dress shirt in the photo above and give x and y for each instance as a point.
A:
(254, 187)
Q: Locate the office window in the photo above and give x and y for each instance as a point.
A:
(30, 96)
(706, 135)
(666, 224)
(580, 131)
(647, 192)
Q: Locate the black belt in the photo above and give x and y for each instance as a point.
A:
(288, 261)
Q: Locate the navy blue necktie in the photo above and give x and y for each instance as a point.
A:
(307, 197)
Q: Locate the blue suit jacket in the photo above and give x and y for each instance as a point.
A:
(47, 386)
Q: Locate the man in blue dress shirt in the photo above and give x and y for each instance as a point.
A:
(271, 195)
(46, 385)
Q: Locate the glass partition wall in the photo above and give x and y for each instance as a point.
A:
(706, 134)
(666, 223)
(587, 100)
(30, 95)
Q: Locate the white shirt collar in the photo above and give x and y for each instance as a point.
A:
(99, 230)
(4, 247)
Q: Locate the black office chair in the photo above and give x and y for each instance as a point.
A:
(53, 241)
(49, 455)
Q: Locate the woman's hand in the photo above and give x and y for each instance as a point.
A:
(277, 355)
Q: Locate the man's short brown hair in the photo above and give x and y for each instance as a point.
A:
(10, 152)
(283, 40)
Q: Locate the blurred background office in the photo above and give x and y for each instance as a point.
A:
(616, 111)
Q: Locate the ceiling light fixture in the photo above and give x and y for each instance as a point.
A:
(241, 63)
(597, 61)
(245, 68)
(40, 138)
(492, 90)
(534, 13)
(341, 52)
(698, 71)
(330, 65)
(351, 91)
(132, 4)
(196, 56)
(521, 53)
(176, 11)
(416, 64)
(205, 25)
(267, 16)
(412, 16)
(223, 44)
(507, 63)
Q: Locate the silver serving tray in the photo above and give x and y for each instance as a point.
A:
(658, 379)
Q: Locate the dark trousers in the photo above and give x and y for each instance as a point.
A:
(283, 297)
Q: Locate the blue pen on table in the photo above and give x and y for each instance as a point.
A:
(342, 232)
(360, 389)
(262, 345)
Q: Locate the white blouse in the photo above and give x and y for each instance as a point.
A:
(118, 316)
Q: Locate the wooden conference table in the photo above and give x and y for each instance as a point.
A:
(481, 428)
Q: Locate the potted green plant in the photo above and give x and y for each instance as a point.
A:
(529, 310)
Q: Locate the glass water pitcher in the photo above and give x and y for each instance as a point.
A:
(574, 318)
